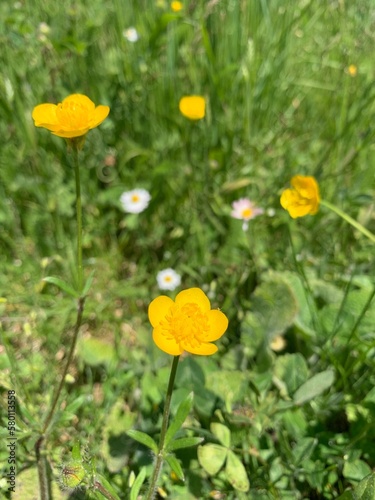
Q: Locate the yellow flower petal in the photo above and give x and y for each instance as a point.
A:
(69, 134)
(176, 6)
(100, 114)
(218, 323)
(73, 117)
(186, 324)
(303, 199)
(79, 99)
(158, 309)
(44, 114)
(193, 107)
(195, 296)
(166, 343)
(205, 349)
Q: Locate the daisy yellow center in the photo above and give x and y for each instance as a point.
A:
(187, 325)
(246, 212)
(72, 115)
(135, 198)
(168, 278)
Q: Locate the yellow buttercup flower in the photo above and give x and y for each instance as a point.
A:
(352, 70)
(303, 199)
(193, 107)
(73, 117)
(176, 6)
(186, 324)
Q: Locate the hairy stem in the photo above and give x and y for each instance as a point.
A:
(79, 217)
(98, 486)
(81, 303)
(39, 446)
(44, 483)
(163, 432)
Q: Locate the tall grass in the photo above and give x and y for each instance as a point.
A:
(280, 101)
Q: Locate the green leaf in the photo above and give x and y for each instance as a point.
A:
(365, 490)
(179, 419)
(134, 492)
(72, 407)
(174, 464)
(186, 442)
(228, 385)
(355, 470)
(107, 486)
(76, 452)
(25, 413)
(144, 439)
(95, 351)
(236, 473)
(348, 495)
(292, 369)
(315, 386)
(274, 306)
(88, 284)
(62, 285)
(303, 450)
(221, 432)
(211, 457)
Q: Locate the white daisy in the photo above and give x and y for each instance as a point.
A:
(135, 201)
(131, 34)
(168, 279)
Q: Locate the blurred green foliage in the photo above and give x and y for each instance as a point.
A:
(292, 385)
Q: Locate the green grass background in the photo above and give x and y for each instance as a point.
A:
(280, 102)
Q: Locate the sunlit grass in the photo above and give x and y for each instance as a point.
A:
(281, 99)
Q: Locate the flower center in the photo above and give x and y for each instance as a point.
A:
(72, 115)
(246, 213)
(135, 198)
(167, 279)
(187, 325)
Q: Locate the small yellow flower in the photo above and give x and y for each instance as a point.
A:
(176, 6)
(303, 199)
(73, 117)
(186, 324)
(352, 70)
(193, 107)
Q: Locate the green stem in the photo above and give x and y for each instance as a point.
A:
(44, 483)
(79, 217)
(39, 446)
(164, 428)
(81, 304)
(98, 486)
(349, 219)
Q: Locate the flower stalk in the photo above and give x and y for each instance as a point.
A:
(70, 119)
(164, 427)
(79, 215)
(39, 446)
